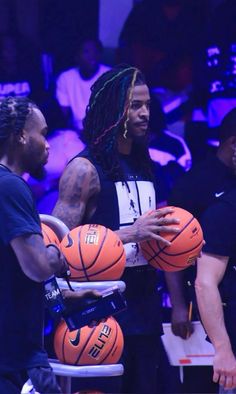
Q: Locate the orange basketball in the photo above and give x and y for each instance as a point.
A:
(93, 252)
(185, 245)
(49, 236)
(102, 344)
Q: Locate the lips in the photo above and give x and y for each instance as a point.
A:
(46, 158)
(142, 124)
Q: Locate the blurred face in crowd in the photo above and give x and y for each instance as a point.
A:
(89, 58)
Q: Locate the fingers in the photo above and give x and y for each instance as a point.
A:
(91, 294)
(159, 238)
(161, 214)
(183, 329)
(164, 211)
(227, 381)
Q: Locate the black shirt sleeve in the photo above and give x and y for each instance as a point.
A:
(17, 210)
(218, 224)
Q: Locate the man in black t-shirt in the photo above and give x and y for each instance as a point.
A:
(203, 185)
(216, 290)
(207, 182)
(24, 260)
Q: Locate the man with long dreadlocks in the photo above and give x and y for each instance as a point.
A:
(111, 183)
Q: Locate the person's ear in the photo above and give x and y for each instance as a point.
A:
(22, 137)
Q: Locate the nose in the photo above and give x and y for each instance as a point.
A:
(144, 111)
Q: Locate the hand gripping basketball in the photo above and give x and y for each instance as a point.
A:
(183, 247)
(153, 223)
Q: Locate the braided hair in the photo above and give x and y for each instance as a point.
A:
(106, 114)
(14, 111)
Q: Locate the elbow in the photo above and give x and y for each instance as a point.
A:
(201, 286)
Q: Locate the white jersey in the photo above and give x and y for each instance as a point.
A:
(134, 199)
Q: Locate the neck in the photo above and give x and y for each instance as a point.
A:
(124, 145)
(88, 74)
(224, 157)
(6, 162)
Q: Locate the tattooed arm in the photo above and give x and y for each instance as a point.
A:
(78, 187)
(36, 261)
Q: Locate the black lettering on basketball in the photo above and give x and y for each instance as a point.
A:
(92, 237)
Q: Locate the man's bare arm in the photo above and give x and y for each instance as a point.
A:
(78, 184)
(36, 261)
(210, 271)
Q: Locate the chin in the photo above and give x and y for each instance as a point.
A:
(38, 173)
(140, 139)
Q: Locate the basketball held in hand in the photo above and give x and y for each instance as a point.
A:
(185, 246)
(93, 253)
(102, 344)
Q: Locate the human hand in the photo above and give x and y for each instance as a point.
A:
(224, 366)
(181, 325)
(151, 223)
(77, 300)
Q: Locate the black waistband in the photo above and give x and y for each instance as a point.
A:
(140, 268)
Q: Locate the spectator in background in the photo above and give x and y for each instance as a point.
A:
(212, 176)
(161, 37)
(165, 147)
(20, 73)
(73, 86)
(215, 84)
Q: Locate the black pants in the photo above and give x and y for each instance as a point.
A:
(140, 360)
(43, 380)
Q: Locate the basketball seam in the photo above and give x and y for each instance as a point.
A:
(84, 269)
(81, 258)
(156, 254)
(99, 250)
(176, 235)
(104, 269)
(186, 251)
(63, 345)
(114, 343)
(168, 263)
(85, 344)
